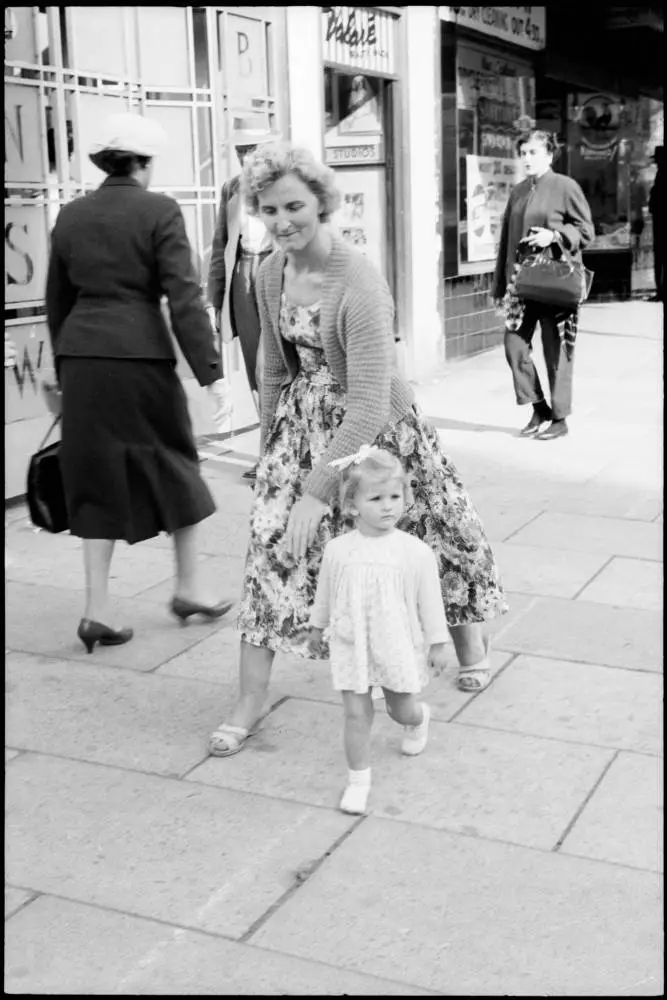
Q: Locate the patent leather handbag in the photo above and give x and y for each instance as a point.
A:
(45, 493)
(561, 282)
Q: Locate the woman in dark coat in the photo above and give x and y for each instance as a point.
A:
(544, 209)
(129, 463)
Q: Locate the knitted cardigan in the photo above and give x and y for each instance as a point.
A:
(356, 327)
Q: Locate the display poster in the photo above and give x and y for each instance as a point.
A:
(361, 219)
(354, 127)
(499, 90)
(489, 182)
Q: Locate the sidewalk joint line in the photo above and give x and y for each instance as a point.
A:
(583, 663)
(552, 739)
(530, 521)
(303, 875)
(570, 826)
(476, 694)
(594, 577)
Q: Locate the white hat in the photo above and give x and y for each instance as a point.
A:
(130, 133)
(252, 130)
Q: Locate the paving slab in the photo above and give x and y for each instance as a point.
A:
(503, 520)
(10, 755)
(489, 784)
(405, 902)
(623, 821)
(587, 632)
(205, 858)
(221, 576)
(15, 899)
(606, 535)
(582, 703)
(157, 636)
(130, 956)
(58, 561)
(149, 723)
(214, 659)
(630, 583)
(547, 572)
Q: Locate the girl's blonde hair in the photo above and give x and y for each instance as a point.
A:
(274, 160)
(380, 465)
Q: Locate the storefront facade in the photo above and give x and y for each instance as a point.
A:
(488, 81)
(66, 68)
(593, 81)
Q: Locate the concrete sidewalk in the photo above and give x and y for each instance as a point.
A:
(520, 855)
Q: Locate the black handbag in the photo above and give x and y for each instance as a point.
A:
(560, 282)
(46, 496)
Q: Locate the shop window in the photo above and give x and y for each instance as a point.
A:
(493, 92)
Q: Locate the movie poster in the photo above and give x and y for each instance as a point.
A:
(489, 182)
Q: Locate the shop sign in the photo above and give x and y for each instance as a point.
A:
(23, 397)
(598, 121)
(246, 65)
(524, 26)
(489, 183)
(361, 152)
(359, 37)
(23, 148)
(26, 254)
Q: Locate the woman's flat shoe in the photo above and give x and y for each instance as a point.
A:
(186, 609)
(91, 632)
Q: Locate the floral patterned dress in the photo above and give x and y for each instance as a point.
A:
(278, 590)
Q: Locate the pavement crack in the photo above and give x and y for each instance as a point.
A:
(303, 874)
(570, 826)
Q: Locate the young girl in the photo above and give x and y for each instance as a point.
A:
(379, 597)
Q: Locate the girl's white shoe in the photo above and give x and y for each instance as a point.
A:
(416, 737)
(355, 799)
(355, 796)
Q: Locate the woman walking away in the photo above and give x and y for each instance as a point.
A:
(544, 210)
(379, 597)
(330, 385)
(129, 462)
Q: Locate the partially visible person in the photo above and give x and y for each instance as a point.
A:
(330, 384)
(544, 210)
(379, 598)
(129, 463)
(240, 244)
(656, 207)
(11, 354)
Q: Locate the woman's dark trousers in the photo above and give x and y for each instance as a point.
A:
(519, 354)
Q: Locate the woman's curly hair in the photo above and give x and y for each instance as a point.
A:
(526, 129)
(274, 160)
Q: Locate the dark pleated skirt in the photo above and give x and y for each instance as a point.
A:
(128, 457)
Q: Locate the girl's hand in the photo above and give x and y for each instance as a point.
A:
(437, 658)
(304, 520)
(540, 238)
(315, 641)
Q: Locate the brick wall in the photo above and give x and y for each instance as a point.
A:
(471, 323)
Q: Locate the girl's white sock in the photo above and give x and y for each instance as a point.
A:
(359, 777)
(355, 796)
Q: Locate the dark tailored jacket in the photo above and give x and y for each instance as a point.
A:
(114, 254)
(553, 202)
(224, 254)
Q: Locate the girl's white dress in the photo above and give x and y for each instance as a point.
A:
(380, 602)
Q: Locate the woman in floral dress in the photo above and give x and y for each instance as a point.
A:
(330, 384)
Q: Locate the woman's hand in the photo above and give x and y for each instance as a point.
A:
(304, 520)
(53, 398)
(315, 641)
(539, 238)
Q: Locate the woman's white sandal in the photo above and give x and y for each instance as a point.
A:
(416, 737)
(227, 740)
(476, 677)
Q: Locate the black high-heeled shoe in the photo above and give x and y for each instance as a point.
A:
(186, 609)
(91, 632)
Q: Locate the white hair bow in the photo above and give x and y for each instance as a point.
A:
(364, 452)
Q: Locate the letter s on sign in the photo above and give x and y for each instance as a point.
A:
(26, 266)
